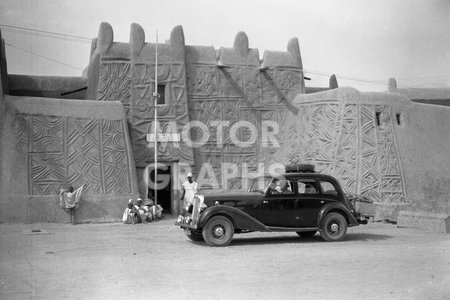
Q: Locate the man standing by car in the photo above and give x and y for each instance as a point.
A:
(189, 191)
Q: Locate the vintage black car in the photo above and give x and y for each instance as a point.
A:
(299, 200)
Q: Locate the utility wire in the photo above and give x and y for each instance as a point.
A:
(43, 33)
(42, 56)
(425, 77)
(371, 81)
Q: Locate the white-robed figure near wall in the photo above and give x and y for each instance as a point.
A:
(70, 200)
(189, 191)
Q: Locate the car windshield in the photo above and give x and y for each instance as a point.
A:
(259, 184)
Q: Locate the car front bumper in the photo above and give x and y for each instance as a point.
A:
(186, 222)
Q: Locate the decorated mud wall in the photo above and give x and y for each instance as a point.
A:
(51, 143)
(200, 84)
(222, 103)
(48, 144)
(380, 145)
(236, 88)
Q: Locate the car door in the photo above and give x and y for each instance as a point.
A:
(279, 209)
(309, 202)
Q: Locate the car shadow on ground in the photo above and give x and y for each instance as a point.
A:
(362, 237)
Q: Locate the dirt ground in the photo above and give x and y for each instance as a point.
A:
(156, 261)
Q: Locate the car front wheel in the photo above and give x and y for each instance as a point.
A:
(334, 227)
(193, 235)
(218, 231)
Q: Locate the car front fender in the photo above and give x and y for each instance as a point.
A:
(340, 208)
(240, 219)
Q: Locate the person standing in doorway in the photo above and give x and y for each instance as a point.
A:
(189, 191)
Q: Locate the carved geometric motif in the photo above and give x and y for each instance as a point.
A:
(142, 121)
(173, 111)
(270, 92)
(201, 80)
(206, 112)
(288, 141)
(230, 82)
(170, 75)
(289, 82)
(83, 154)
(47, 134)
(346, 154)
(245, 132)
(278, 84)
(47, 173)
(321, 133)
(392, 188)
(369, 166)
(114, 82)
(115, 159)
(252, 87)
(289, 79)
(65, 150)
(22, 132)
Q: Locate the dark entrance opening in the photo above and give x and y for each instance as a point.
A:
(164, 192)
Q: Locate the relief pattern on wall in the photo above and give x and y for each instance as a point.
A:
(392, 182)
(75, 151)
(232, 94)
(347, 162)
(114, 82)
(172, 76)
(133, 84)
(344, 140)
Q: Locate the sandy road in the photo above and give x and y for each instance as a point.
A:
(156, 261)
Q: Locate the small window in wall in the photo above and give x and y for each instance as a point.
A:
(377, 118)
(161, 94)
(398, 117)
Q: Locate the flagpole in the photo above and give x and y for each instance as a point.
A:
(155, 94)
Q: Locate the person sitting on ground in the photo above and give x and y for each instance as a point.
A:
(129, 215)
(147, 205)
(157, 211)
(142, 211)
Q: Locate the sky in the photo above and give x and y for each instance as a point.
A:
(363, 42)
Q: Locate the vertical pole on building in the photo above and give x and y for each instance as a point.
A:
(155, 94)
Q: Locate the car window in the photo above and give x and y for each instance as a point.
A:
(280, 187)
(259, 184)
(328, 188)
(307, 186)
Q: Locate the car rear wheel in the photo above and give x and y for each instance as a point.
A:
(305, 234)
(334, 227)
(193, 235)
(218, 231)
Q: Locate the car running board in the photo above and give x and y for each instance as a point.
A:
(288, 229)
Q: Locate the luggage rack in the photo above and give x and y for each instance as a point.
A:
(299, 168)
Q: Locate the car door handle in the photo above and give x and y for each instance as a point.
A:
(265, 202)
(322, 202)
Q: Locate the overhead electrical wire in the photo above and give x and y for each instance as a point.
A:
(42, 56)
(75, 38)
(43, 33)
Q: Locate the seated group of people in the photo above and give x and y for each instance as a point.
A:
(141, 211)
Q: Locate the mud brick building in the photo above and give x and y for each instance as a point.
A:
(95, 128)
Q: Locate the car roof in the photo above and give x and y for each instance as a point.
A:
(297, 175)
(307, 175)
